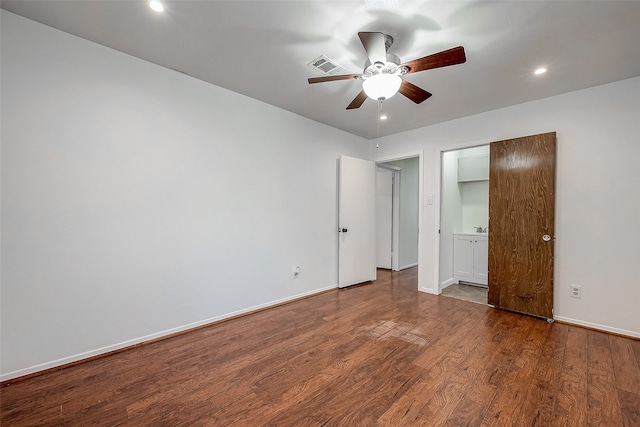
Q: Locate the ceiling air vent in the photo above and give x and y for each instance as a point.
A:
(325, 65)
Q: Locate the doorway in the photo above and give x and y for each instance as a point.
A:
(387, 215)
(518, 258)
(464, 220)
(357, 238)
(400, 217)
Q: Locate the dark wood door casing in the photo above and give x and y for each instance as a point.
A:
(521, 213)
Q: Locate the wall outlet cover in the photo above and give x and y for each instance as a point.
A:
(576, 291)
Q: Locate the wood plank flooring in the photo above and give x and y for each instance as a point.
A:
(381, 354)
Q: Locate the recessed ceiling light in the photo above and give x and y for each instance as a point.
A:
(383, 117)
(156, 5)
(540, 71)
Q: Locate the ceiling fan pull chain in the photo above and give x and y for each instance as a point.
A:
(378, 122)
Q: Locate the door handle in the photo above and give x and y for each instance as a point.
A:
(343, 230)
(546, 237)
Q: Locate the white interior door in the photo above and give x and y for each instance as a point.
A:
(357, 223)
(384, 216)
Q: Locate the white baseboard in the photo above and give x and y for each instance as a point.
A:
(404, 267)
(603, 328)
(447, 283)
(124, 344)
(129, 343)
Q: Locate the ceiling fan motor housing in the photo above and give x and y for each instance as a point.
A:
(392, 66)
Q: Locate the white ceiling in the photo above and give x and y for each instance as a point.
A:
(261, 49)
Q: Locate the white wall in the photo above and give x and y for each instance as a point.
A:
(137, 201)
(597, 210)
(475, 205)
(408, 232)
(475, 197)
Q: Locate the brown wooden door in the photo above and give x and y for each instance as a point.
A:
(521, 224)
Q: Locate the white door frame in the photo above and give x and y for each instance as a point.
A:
(395, 214)
(420, 155)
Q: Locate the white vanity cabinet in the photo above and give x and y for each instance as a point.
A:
(470, 258)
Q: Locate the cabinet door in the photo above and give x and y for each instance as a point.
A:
(480, 258)
(463, 256)
(474, 168)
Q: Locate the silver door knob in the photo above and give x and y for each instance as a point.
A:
(546, 237)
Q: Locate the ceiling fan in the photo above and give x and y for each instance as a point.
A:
(382, 74)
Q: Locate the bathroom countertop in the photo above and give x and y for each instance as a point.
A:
(472, 233)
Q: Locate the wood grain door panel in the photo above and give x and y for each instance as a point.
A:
(521, 213)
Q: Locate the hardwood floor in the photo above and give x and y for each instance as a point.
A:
(379, 354)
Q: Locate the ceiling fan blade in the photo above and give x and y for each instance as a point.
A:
(413, 92)
(442, 59)
(333, 78)
(357, 101)
(373, 44)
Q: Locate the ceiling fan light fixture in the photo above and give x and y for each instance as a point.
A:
(156, 6)
(381, 86)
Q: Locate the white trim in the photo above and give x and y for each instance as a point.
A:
(395, 212)
(421, 279)
(469, 144)
(402, 156)
(603, 328)
(395, 221)
(404, 267)
(447, 283)
(427, 290)
(437, 206)
(390, 167)
(129, 343)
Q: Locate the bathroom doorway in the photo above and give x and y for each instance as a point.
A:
(464, 221)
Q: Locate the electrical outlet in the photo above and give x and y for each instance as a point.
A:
(296, 271)
(576, 291)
